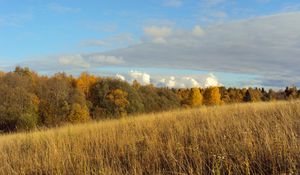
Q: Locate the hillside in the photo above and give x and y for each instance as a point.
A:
(258, 138)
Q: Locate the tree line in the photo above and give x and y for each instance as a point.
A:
(28, 100)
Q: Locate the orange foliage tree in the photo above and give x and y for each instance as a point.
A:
(212, 96)
(84, 83)
(195, 98)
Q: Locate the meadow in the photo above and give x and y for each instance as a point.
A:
(250, 138)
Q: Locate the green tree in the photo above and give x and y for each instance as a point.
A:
(101, 105)
(158, 99)
(118, 102)
(248, 97)
(18, 109)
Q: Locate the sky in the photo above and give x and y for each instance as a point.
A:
(173, 43)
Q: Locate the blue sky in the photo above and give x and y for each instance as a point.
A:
(36, 32)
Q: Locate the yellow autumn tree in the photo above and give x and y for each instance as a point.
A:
(183, 95)
(79, 114)
(118, 101)
(84, 83)
(195, 98)
(212, 96)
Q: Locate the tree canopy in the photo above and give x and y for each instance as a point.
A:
(28, 100)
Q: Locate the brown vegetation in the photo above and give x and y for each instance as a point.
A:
(254, 138)
(29, 101)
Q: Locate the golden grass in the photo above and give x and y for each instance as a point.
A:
(261, 138)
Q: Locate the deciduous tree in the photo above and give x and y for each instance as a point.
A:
(212, 96)
(118, 102)
(84, 83)
(195, 98)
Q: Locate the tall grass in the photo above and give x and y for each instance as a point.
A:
(261, 138)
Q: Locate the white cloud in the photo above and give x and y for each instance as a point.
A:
(99, 59)
(188, 81)
(178, 82)
(198, 31)
(73, 60)
(174, 81)
(173, 3)
(120, 77)
(141, 77)
(155, 31)
(211, 81)
(158, 34)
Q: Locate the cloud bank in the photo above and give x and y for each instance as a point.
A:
(268, 47)
(265, 46)
(170, 81)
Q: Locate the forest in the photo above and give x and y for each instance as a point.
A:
(29, 100)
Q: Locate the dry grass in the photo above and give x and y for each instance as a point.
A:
(260, 138)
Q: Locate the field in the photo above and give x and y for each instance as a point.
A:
(258, 138)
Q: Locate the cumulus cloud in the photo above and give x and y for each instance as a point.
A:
(211, 81)
(174, 81)
(141, 77)
(120, 77)
(178, 82)
(188, 81)
(158, 34)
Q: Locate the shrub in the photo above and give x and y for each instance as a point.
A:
(27, 122)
